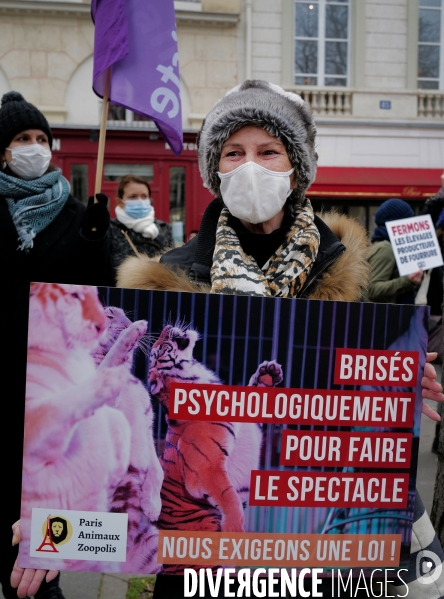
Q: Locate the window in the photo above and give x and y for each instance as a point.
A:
(114, 172)
(321, 48)
(177, 202)
(194, 5)
(117, 115)
(430, 61)
(79, 182)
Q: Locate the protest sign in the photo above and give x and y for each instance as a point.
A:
(287, 431)
(414, 244)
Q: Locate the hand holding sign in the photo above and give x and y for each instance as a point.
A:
(431, 389)
(27, 581)
(416, 277)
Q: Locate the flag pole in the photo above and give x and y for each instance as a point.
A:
(102, 135)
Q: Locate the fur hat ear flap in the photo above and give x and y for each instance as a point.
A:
(283, 114)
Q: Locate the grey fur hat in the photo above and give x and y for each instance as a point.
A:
(283, 114)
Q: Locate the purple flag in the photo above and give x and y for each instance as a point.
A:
(138, 40)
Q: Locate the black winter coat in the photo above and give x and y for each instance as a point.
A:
(60, 255)
(195, 257)
(121, 249)
(433, 206)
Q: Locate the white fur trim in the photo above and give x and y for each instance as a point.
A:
(290, 95)
(233, 90)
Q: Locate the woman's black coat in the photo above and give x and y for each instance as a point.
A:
(60, 255)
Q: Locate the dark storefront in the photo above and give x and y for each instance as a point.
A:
(177, 190)
(359, 192)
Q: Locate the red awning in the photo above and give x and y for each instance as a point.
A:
(378, 183)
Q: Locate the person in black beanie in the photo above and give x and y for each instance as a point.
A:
(45, 235)
(385, 284)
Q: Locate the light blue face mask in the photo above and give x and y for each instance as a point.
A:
(138, 208)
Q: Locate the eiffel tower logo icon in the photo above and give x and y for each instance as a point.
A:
(47, 545)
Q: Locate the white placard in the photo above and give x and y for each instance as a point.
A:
(414, 243)
(95, 536)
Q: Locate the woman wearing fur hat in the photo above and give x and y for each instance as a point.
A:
(259, 236)
(257, 155)
(45, 235)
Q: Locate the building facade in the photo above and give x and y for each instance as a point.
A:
(372, 70)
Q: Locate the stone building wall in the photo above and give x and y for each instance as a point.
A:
(209, 65)
(47, 56)
(267, 41)
(39, 54)
(386, 32)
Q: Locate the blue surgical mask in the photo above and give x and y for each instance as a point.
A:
(138, 208)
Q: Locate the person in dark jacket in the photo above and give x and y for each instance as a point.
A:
(385, 284)
(135, 228)
(45, 235)
(260, 237)
(435, 207)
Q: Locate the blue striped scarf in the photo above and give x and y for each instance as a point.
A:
(34, 204)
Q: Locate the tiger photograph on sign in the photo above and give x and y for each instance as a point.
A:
(162, 428)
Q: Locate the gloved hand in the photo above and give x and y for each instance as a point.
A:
(96, 219)
(440, 222)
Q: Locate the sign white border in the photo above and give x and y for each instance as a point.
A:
(414, 244)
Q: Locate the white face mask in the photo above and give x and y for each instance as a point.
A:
(253, 193)
(30, 161)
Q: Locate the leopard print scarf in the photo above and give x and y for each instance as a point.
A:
(283, 275)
